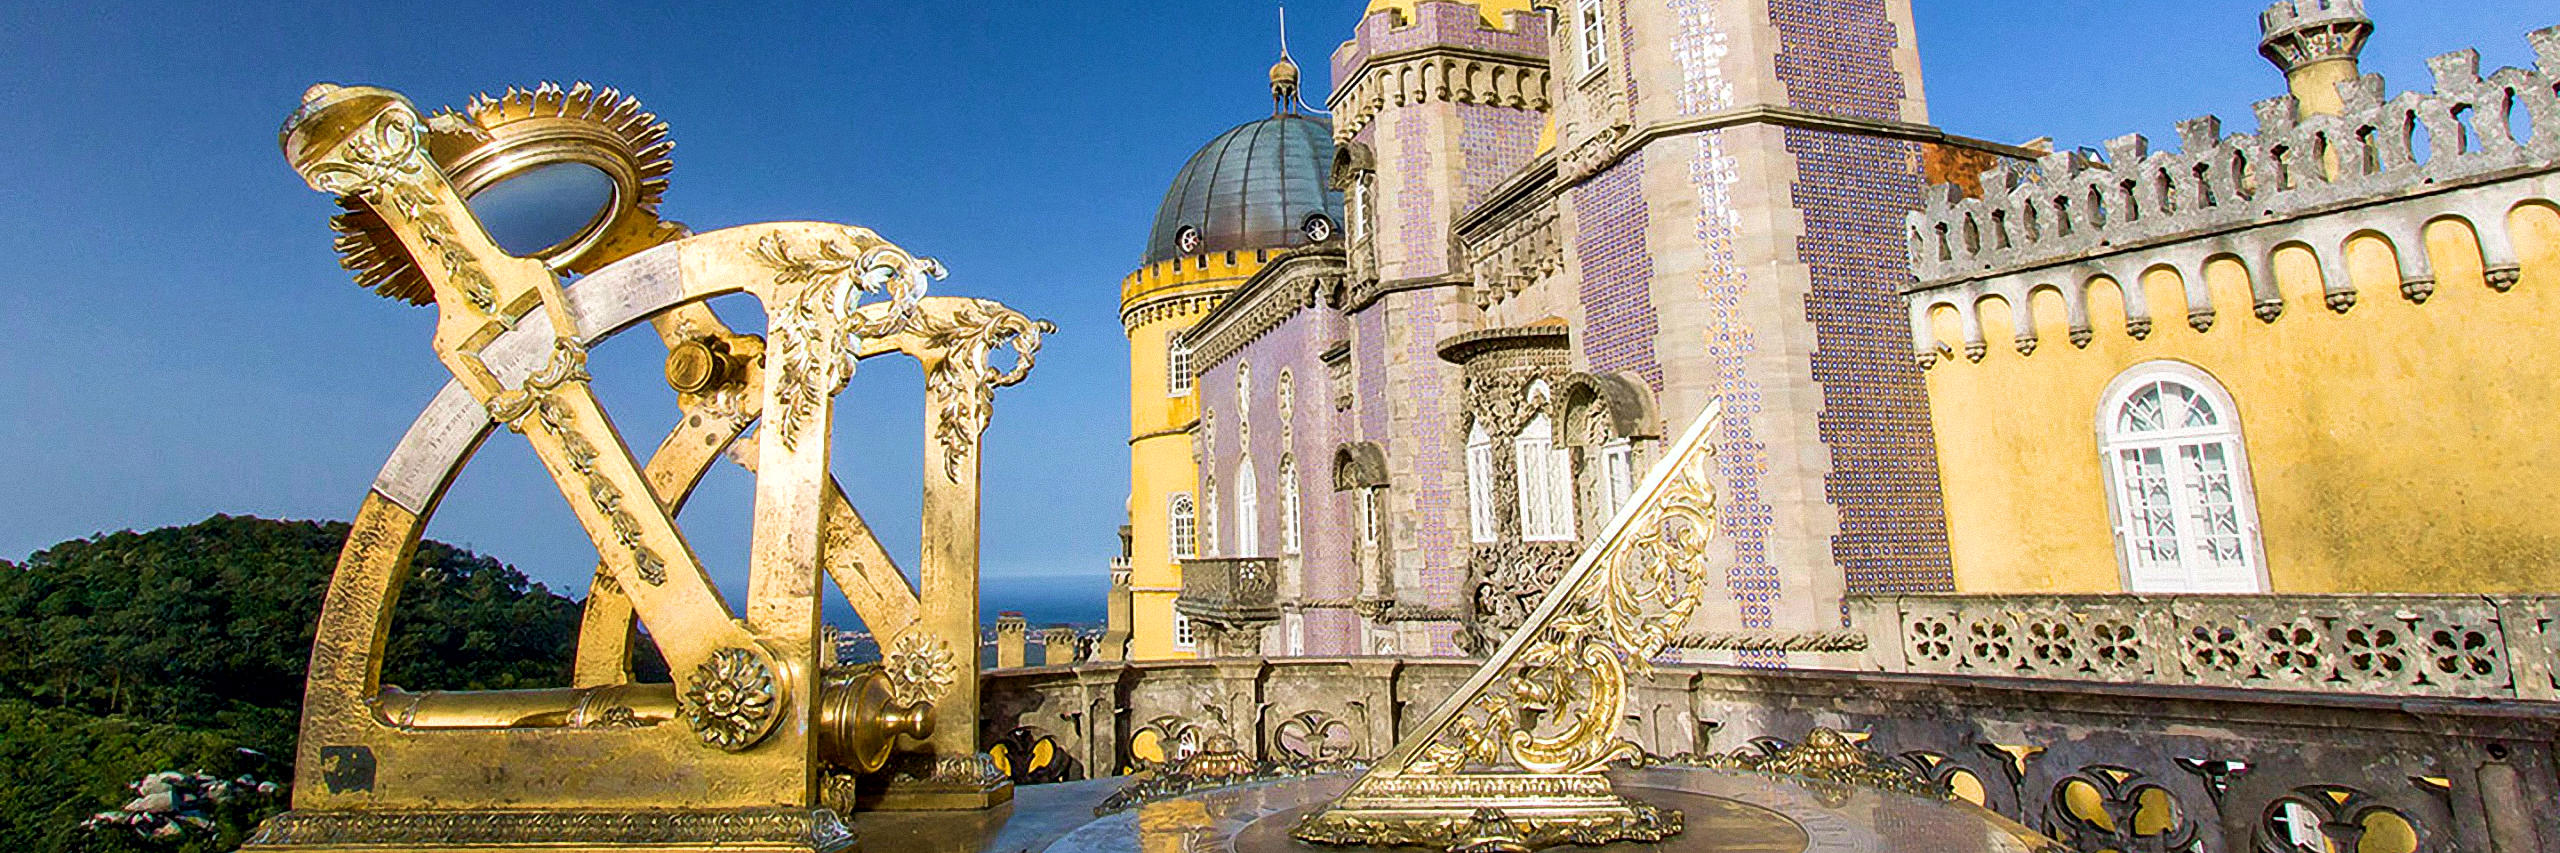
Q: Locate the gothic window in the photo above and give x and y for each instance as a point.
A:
(1289, 504)
(1617, 475)
(1589, 21)
(1546, 483)
(1181, 524)
(1248, 512)
(2186, 519)
(1480, 483)
(1177, 367)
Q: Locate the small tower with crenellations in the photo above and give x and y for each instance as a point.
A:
(2315, 43)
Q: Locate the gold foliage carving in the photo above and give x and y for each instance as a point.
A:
(819, 331)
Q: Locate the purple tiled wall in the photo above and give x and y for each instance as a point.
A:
(1836, 57)
(1617, 271)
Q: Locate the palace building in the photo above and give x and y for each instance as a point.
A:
(1560, 233)
(1393, 368)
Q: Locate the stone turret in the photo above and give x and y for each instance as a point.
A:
(2315, 43)
(1012, 633)
(1058, 646)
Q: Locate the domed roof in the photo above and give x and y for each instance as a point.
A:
(1254, 187)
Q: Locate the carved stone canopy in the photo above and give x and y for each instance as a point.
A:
(1359, 465)
(1627, 402)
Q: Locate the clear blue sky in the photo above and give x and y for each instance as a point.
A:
(177, 340)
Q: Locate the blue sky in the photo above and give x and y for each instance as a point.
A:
(177, 340)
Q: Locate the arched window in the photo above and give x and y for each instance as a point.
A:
(1181, 524)
(1289, 531)
(1209, 517)
(1248, 512)
(1177, 367)
(2186, 520)
(1546, 483)
(1480, 483)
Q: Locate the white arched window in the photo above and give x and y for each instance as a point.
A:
(1248, 512)
(1289, 531)
(2178, 474)
(1181, 520)
(1177, 367)
(1546, 483)
(1480, 483)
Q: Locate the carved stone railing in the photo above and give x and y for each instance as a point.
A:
(1231, 591)
(2394, 645)
(2100, 766)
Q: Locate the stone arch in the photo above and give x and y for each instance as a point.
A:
(2451, 244)
(2296, 271)
(2374, 261)
(1997, 322)
(2049, 315)
(1349, 160)
(2533, 229)
(2230, 282)
(1359, 465)
(1628, 402)
(2109, 306)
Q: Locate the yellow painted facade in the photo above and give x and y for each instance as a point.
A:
(1158, 303)
(2398, 447)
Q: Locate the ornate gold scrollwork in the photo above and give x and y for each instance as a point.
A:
(820, 332)
(1512, 761)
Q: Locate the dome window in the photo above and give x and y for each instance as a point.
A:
(1188, 240)
(1318, 228)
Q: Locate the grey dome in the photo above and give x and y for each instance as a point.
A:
(1251, 188)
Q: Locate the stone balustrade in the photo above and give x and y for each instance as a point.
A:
(2396, 645)
(2135, 767)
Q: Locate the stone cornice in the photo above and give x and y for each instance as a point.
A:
(1462, 348)
(1365, 294)
(1173, 305)
(1291, 283)
(1437, 73)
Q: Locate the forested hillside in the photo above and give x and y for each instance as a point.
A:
(183, 649)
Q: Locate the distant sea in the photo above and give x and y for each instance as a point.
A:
(1072, 600)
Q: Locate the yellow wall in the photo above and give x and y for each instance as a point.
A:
(2396, 448)
(1160, 461)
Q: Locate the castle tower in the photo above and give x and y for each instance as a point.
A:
(2315, 43)
(1731, 179)
(1436, 102)
(1249, 194)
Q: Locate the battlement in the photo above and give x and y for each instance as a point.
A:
(2070, 207)
(2288, 15)
(1445, 50)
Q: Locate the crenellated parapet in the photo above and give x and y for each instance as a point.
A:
(1444, 51)
(2472, 150)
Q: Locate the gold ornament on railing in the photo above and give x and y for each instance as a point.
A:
(1513, 759)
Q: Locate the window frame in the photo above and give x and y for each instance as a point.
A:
(1178, 376)
(1182, 520)
(1481, 522)
(1248, 510)
(1543, 472)
(1591, 26)
(1617, 476)
(1185, 639)
(2229, 433)
(1292, 533)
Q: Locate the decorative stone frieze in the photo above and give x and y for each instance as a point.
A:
(2070, 206)
(2470, 151)
(1293, 282)
(1518, 248)
(1439, 74)
(2398, 645)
